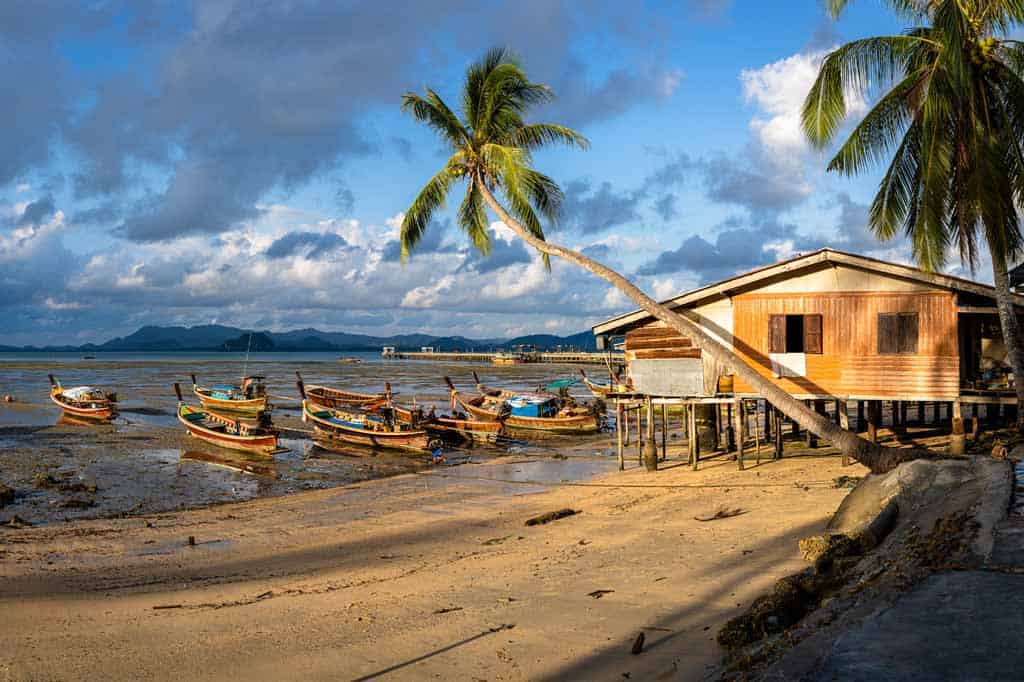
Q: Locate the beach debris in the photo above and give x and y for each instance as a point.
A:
(6, 495)
(191, 540)
(448, 609)
(720, 513)
(161, 607)
(597, 594)
(495, 541)
(8, 398)
(638, 644)
(551, 516)
(1000, 452)
(44, 480)
(17, 522)
(846, 481)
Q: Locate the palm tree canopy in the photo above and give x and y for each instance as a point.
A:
(948, 115)
(490, 142)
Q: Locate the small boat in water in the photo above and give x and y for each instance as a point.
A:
(84, 402)
(605, 390)
(373, 430)
(324, 396)
(507, 359)
(349, 361)
(227, 431)
(505, 394)
(249, 399)
(528, 412)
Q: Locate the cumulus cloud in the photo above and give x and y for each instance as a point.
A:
(312, 244)
(590, 210)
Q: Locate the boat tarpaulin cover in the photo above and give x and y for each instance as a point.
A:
(529, 406)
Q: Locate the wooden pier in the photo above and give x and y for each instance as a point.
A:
(561, 357)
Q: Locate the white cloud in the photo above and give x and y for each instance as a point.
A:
(778, 91)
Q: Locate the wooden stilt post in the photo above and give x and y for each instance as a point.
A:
(903, 413)
(739, 433)
(651, 456)
(936, 417)
(665, 432)
(778, 432)
(768, 421)
(920, 412)
(694, 442)
(874, 417)
(618, 434)
(844, 423)
(757, 428)
(957, 439)
(730, 428)
(639, 433)
(861, 422)
(626, 425)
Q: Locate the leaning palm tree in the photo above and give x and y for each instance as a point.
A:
(950, 113)
(491, 153)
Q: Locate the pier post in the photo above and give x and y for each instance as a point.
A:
(618, 435)
(651, 456)
(694, 442)
(739, 433)
(844, 423)
(777, 421)
(936, 417)
(861, 422)
(664, 432)
(767, 421)
(874, 417)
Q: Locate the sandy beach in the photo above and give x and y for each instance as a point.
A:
(428, 575)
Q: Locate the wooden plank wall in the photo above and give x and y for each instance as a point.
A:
(658, 342)
(850, 363)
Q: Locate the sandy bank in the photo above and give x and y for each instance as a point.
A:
(421, 575)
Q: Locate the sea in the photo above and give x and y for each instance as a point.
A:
(145, 462)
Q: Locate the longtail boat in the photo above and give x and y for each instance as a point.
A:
(527, 412)
(226, 431)
(324, 396)
(605, 390)
(249, 399)
(505, 394)
(382, 430)
(84, 402)
(455, 428)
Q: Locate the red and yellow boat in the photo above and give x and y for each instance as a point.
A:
(528, 412)
(84, 402)
(249, 399)
(333, 398)
(226, 431)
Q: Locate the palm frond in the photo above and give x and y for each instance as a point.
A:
(476, 77)
(538, 135)
(899, 188)
(428, 201)
(522, 210)
(441, 120)
(473, 219)
(880, 130)
(544, 193)
(859, 67)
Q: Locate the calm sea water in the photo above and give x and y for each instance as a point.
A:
(145, 380)
(147, 463)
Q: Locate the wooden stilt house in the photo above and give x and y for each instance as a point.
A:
(830, 325)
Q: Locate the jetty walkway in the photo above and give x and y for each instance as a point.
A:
(561, 357)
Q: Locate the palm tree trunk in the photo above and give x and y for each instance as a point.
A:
(877, 458)
(1008, 321)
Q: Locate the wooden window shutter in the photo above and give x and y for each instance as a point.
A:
(812, 334)
(908, 333)
(776, 333)
(887, 333)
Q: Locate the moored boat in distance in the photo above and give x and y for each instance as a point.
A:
(507, 359)
(350, 361)
(528, 412)
(249, 399)
(83, 402)
(324, 396)
(227, 431)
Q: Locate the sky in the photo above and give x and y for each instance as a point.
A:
(247, 163)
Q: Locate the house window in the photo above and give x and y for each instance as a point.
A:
(897, 333)
(794, 334)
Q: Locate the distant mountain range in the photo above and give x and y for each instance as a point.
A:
(215, 337)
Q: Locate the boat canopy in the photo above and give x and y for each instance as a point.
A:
(532, 406)
(81, 392)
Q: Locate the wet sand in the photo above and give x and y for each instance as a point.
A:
(427, 575)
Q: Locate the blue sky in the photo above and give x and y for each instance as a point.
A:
(247, 163)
